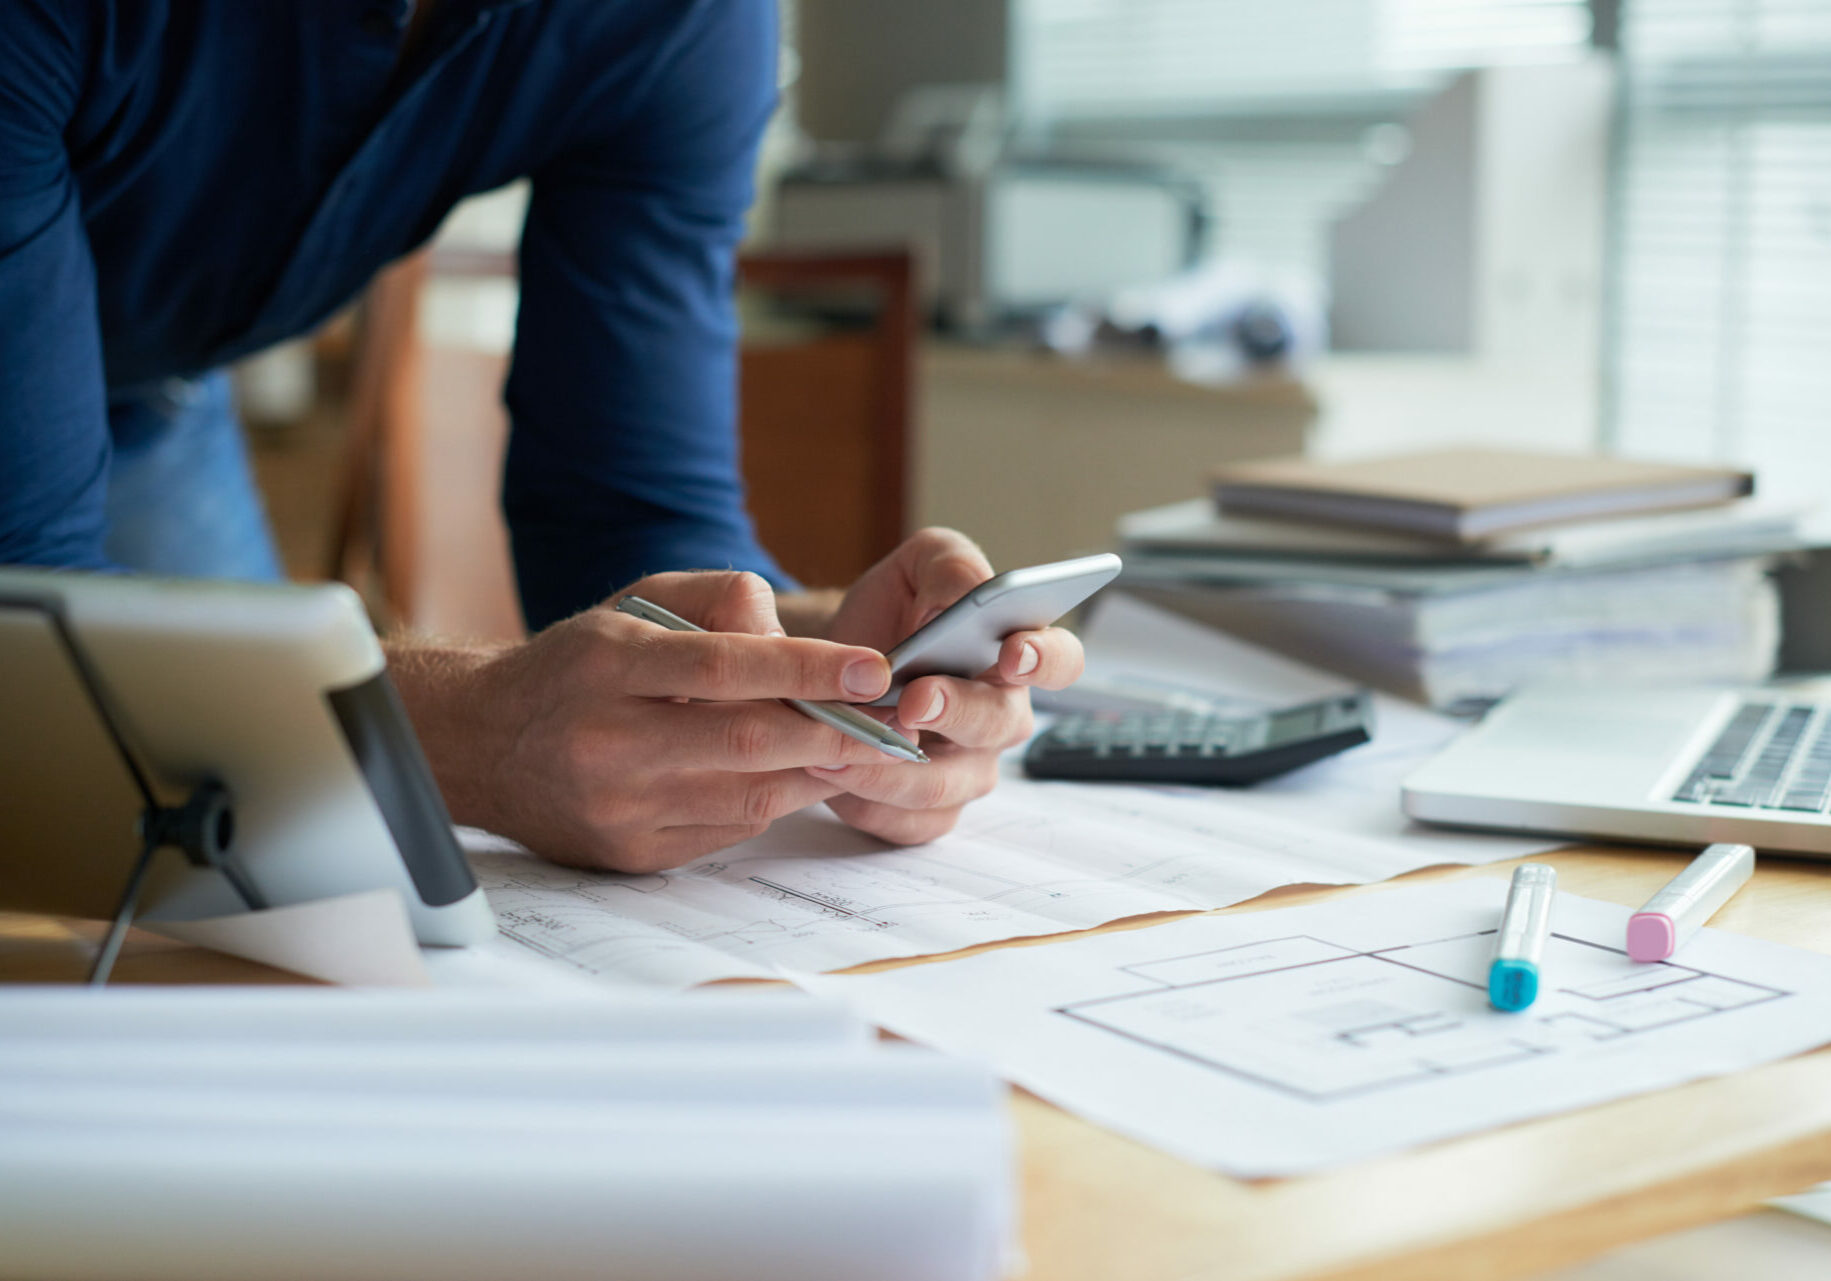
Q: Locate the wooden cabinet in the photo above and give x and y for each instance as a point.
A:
(1036, 456)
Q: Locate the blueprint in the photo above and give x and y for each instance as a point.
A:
(1279, 1042)
(1034, 858)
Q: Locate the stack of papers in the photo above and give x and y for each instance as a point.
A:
(1673, 597)
(1226, 542)
(183, 1133)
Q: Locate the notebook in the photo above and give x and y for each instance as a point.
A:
(1466, 495)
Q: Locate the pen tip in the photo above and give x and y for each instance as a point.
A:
(921, 757)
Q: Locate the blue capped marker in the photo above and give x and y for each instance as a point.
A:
(1513, 978)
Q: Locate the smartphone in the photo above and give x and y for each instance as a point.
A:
(964, 638)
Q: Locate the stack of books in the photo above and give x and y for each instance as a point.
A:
(1456, 576)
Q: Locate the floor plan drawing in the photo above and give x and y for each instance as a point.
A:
(1320, 1021)
(1275, 1042)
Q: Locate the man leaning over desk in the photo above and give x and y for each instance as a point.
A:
(184, 182)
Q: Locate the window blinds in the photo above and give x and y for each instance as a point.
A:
(1099, 59)
(1720, 318)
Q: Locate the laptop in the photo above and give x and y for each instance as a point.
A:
(114, 687)
(1683, 766)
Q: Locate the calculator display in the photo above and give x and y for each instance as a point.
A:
(1298, 722)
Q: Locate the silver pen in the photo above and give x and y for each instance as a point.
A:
(844, 717)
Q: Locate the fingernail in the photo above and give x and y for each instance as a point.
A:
(775, 631)
(866, 678)
(828, 769)
(1027, 661)
(935, 706)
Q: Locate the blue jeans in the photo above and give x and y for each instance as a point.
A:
(181, 498)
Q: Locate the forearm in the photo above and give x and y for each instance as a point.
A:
(449, 690)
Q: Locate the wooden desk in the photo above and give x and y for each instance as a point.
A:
(1509, 1203)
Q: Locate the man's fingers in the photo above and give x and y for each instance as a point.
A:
(742, 654)
(705, 810)
(694, 798)
(946, 782)
(947, 565)
(729, 665)
(717, 600)
(1050, 658)
(897, 826)
(744, 738)
(971, 713)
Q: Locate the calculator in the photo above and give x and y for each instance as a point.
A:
(1176, 746)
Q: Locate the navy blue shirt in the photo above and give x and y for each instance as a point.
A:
(183, 182)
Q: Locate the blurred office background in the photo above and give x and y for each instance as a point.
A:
(1142, 237)
(1023, 266)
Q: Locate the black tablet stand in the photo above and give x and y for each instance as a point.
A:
(202, 827)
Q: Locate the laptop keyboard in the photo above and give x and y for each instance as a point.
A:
(1773, 756)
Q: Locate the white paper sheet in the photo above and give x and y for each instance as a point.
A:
(1814, 1204)
(1279, 1042)
(363, 939)
(1032, 859)
(501, 963)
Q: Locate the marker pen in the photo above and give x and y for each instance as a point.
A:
(1680, 909)
(1513, 978)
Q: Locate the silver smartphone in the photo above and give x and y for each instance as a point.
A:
(964, 638)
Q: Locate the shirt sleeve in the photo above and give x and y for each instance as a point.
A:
(54, 446)
(623, 458)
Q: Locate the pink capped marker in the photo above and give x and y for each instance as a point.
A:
(1681, 907)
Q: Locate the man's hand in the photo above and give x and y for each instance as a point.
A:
(609, 742)
(963, 724)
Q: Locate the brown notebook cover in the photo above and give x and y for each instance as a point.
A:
(1466, 495)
